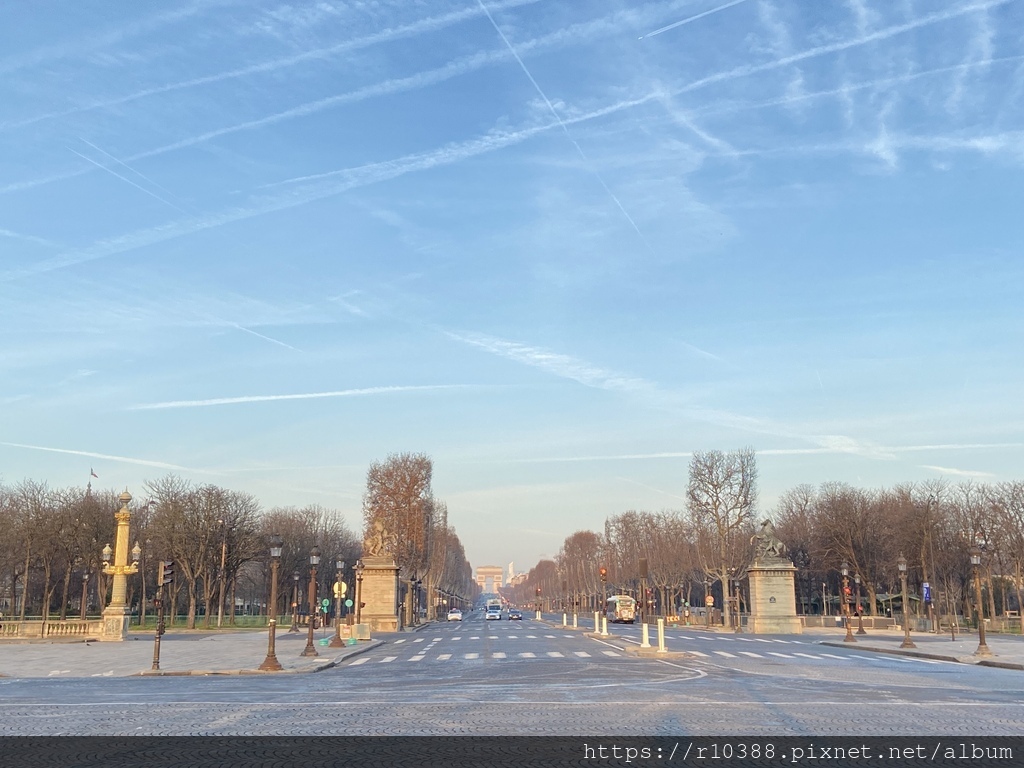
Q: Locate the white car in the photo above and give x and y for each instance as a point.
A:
(493, 613)
(454, 615)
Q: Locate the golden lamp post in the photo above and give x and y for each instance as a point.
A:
(115, 615)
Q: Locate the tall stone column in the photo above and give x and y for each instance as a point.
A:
(115, 615)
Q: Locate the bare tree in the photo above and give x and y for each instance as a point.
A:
(721, 496)
(398, 496)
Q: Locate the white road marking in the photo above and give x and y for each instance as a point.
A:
(416, 658)
(528, 655)
(752, 654)
(609, 653)
(399, 642)
(418, 640)
(806, 655)
(471, 656)
(444, 657)
(583, 654)
(726, 654)
(386, 659)
(357, 662)
(498, 655)
(780, 655)
(555, 654)
(698, 653)
(834, 656)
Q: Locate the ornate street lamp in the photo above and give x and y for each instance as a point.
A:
(271, 664)
(116, 613)
(860, 608)
(983, 649)
(901, 563)
(295, 602)
(339, 593)
(845, 570)
(359, 591)
(314, 561)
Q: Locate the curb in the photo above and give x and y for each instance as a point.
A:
(235, 672)
(932, 656)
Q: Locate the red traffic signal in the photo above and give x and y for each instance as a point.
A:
(538, 591)
(604, 574)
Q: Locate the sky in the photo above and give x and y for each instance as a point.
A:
(556, 246)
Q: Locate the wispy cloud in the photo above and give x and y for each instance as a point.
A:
(106, 456)
(28, 238)
(302, 396)
(265, 338)
(563, 126)
(560, 365)
(128, 181)
(390, 34)
(690, 19)
(339, 181)
(957, 472)
(822, 50)
(101, 40)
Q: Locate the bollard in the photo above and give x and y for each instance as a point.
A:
(604, 626)
(564, 622)
(575, 621)
(597, 622)
(646, 637)
(661, 636)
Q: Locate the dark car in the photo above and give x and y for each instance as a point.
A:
(515, 613)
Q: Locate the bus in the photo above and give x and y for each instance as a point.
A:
(620, 609)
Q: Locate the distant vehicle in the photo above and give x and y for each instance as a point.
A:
(493, 613)
(620, 609)
(514, 614)
(454, 615)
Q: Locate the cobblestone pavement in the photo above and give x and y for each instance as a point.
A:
(542, 679)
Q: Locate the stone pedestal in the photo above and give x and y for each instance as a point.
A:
(773, 598)
(380, 594)
(115, 623)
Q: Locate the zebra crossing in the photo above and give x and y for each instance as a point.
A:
(472, 656)
(698, 646)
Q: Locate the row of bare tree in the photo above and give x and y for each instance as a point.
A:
(680, 556)
(217, 539)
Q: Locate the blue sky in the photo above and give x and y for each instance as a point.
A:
(555, 245)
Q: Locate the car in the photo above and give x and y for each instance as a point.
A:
(454, 615)
(514, 614)
(493, 613)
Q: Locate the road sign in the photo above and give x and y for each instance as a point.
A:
(709, 601)
(325, 602)
(927, 592)
(349, 603)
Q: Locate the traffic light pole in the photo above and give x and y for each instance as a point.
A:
(159, 625)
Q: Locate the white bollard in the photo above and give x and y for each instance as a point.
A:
(564, 622)
(661, 636)
(604, 626)
(646, 637)
(575, 621)
(597, 622)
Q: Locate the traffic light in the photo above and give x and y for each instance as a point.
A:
(604, 574)
(538, 591)
(166, 572)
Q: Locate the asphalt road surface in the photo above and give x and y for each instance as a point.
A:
(479, 677)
